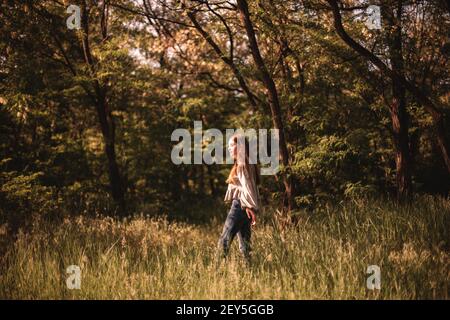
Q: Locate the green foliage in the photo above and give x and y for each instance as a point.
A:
(329, 168)
(160, 77)
(22, 196)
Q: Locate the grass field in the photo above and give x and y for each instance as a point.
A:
(324, 257)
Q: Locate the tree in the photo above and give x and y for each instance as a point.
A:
(97, 86)
(274, 102)
(419, 95)
(399, 114)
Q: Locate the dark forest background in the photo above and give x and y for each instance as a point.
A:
(86, 115)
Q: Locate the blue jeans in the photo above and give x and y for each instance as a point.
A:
(237, 223)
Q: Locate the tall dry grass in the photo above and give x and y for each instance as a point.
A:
(324, 257)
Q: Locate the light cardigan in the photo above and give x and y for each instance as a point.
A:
(244, 188)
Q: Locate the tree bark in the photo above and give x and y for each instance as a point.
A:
(108, 132)
(399, 114)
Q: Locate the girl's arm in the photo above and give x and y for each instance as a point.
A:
(249, 194)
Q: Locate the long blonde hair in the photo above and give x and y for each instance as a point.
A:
(233, 173)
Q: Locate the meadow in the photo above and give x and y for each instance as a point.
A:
(324, 255)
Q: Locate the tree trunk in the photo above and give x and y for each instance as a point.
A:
(399, 114)
(273, 98)
(401, 145)
(108, 131)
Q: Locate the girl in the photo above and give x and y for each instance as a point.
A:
(244, 196)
